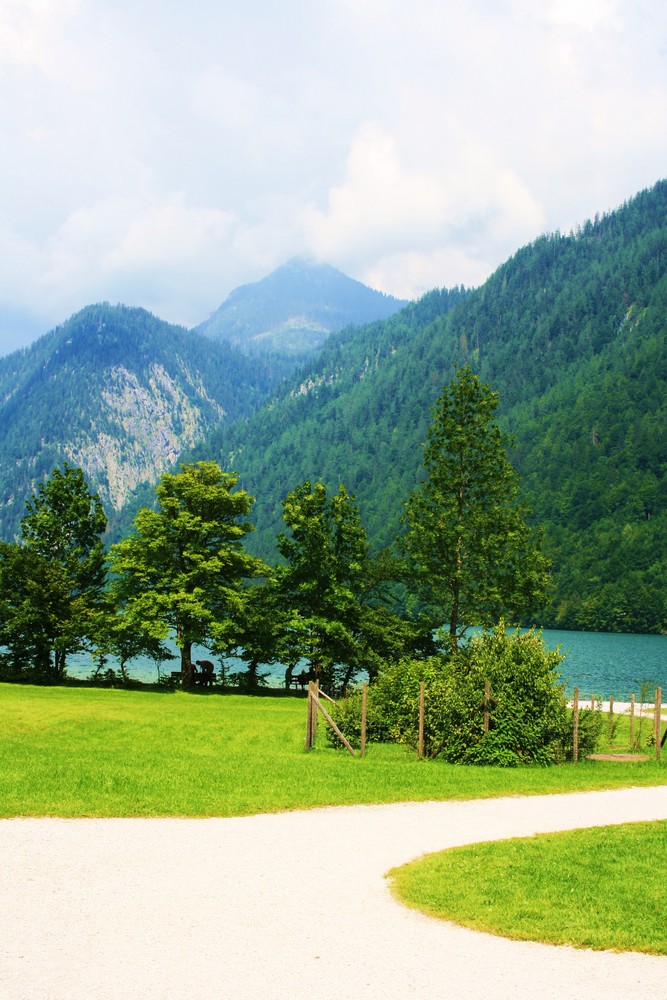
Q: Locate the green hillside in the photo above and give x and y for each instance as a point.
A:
(120, 393)
(293, 310)
(572, 331)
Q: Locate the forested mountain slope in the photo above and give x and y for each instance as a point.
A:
(120, 393)
(294, 309)
(572, 331)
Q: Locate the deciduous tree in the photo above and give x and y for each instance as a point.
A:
(332, 589)
(52, 582)
(183, 570)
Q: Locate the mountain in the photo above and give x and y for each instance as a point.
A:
(294, 309)
(572, 332)
(120, 393)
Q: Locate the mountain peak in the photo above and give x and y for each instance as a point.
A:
(295, 308)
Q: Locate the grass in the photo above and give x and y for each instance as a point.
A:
(597, 888)
(615, 733)
(100, 752)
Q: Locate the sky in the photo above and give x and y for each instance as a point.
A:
(161, 153)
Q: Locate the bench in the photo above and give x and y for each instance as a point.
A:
(201, 680)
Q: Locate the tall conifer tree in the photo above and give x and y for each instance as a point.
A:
(473, 555)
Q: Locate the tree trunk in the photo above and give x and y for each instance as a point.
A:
(252, 674)
(346, 681)
(61, 660)
(187, 679)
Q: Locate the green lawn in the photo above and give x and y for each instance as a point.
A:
(99, 752)
(598, 888)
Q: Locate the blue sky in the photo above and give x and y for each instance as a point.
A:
(160, 154)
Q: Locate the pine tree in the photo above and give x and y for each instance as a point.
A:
(472, 552)
(52, 583)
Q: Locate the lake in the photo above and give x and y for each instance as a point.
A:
(599, 663)
(605, 663)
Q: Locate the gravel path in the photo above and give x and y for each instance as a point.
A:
(285, 907)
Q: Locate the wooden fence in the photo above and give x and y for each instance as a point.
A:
(315, 696)
(657, 720)
(314, 706)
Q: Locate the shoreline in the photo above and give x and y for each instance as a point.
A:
(647, 708)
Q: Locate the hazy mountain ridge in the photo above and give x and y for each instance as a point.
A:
(294, 309)
(122, 393)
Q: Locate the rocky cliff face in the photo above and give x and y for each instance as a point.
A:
(148, 426)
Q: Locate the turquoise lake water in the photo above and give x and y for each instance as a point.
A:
(598, 663)
(604, 663)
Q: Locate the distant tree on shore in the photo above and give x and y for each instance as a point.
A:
(52, 582)
(333, 591)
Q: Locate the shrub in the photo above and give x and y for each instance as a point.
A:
(591, 724)
(528, 716)
(346, 713)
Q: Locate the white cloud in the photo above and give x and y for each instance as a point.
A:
(161, 154)
(378, 203)
(170, 233)
(586, 15)
(421, 220)
(43, 36)
(22, 266)
(410, 275)
(225, 99)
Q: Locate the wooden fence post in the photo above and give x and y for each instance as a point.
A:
(363, 719)
(658, 720)
(309, 722)
(313, 708)
(632, 722)
(611, 718)
(311, 717)
(575, 742)
(420, 750)
(318, 705)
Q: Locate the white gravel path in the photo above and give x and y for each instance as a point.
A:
(293, 905)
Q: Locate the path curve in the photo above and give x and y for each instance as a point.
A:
(285, 907)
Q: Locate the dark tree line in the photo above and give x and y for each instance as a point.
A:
(466, 557)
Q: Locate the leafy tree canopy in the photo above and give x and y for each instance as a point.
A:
(182, 570)
(333, 591)
(52, 583)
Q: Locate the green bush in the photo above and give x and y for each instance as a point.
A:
(529, 722)
(591, 724)
(346, 713)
